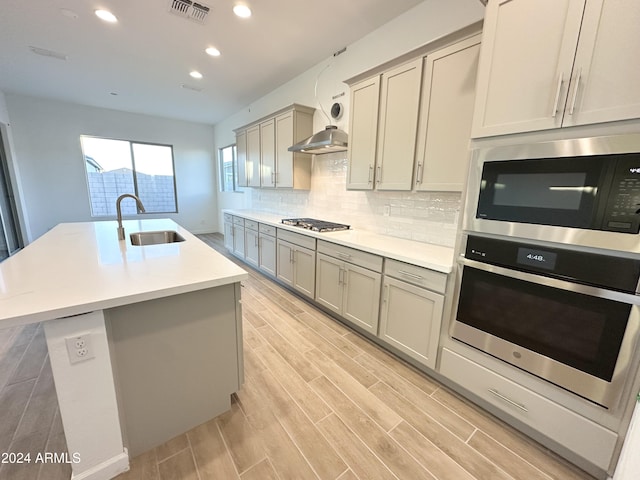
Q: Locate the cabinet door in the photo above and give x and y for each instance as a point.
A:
(228, 235)
(241, 160)
(410, 320)
(253, 156)
(267, 254)
(362, 297)
(329, 277)
(304, 276)
(606, 78)
(363, 131)
(251, 248)
(446, 111)
(268, 153)
(284, 259)
(398, 126)
(238, 240)
(284, 129)
(526, 59)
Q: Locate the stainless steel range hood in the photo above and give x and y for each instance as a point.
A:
(331, 139)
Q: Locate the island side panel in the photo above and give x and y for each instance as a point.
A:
(87, 398)
(177, 362)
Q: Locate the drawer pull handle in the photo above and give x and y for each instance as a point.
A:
(343, 255)
(410, 275)
(557, 97)
(508, 400)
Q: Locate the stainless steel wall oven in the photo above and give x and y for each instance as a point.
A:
(549, 271)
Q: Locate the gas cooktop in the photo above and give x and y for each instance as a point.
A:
(315, 225)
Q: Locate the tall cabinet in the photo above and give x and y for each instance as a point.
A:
(554, 63)
(267, 162)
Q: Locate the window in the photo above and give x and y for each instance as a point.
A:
(115, 167)
(228, 170)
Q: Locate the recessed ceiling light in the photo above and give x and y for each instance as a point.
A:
(195, 74)
(242, 10)
(106, 15)
(213, 51)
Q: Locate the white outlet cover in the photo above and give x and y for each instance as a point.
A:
(79, 348)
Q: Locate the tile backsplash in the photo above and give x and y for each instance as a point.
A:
(428, 217)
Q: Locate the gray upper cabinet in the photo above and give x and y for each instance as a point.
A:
(363, 133)
(398, 126)
(410, 124)
(266, 161)
(553, 63)
(446, 111)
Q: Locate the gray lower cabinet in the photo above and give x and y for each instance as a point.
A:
(267, 253)
(296, 267)
(228, 235)
(348, 290)
(252, 254)
(410, 319)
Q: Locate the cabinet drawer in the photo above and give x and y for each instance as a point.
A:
(228, 217)
(297, 239)
(351, 255)
(585, 438)
(238, 221)
(422, 277)
(267, 229)
(251, 225)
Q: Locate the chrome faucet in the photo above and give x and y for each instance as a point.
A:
(119, 211)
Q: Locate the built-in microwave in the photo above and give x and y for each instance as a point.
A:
(577, 191)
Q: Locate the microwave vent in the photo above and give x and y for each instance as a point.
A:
(196, 11)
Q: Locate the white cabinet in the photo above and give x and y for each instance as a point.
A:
(296, 262)
(347, 289)
(551, 63)
(398, 126)
(575, 433)
(252, 251)
(606, 68)
(267, 249)
(446, 112)
(253, 156)
(363, 133)
(411, 315)
(266, 161)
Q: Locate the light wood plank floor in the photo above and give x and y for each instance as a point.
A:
(319, 402)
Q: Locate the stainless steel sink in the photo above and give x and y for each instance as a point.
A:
(154, 238)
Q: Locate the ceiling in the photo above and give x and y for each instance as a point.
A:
(142, 63)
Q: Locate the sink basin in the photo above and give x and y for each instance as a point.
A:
(154, 238)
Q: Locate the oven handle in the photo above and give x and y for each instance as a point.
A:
(622, 297)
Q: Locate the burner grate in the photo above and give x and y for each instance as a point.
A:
(315, 225)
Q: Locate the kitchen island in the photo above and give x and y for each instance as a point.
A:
(145, 342)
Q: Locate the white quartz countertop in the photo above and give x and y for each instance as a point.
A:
(434, 257)
(80, 267)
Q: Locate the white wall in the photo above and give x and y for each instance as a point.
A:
(419, 26)
(46, 142)
(4, 113)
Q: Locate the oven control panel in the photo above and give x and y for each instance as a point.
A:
(622, 212)
(610, 272)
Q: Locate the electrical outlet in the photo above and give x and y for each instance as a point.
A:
(80, 348)
(386, 210)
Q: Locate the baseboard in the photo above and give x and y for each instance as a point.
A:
(106, 470)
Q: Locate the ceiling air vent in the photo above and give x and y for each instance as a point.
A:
(188, 9)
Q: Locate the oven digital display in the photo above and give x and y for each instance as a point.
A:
(537, 258)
